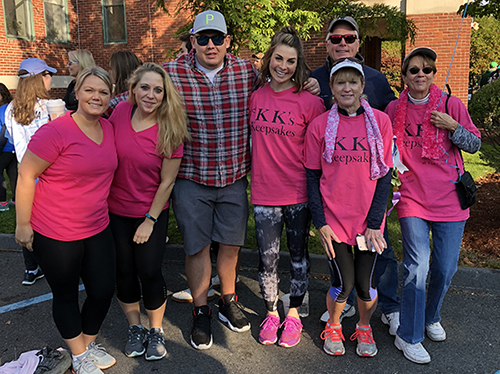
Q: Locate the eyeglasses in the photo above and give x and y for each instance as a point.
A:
(348, 38)
(45, 73)
(216, 39)
(72, 63)
(415, 70)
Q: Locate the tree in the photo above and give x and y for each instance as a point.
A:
(484, 46)
(481, 8)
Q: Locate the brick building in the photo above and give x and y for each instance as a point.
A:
(49, 29)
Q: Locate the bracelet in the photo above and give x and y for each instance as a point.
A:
(151, 218)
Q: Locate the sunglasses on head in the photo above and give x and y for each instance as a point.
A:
(415, 70)
(216, 39)
(336, 39)
(45, 73)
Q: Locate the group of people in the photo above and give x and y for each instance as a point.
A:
(184, 133)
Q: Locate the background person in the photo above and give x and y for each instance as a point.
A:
(8, 161)
(149, 131)
(74, 158)
(484, 78)
(78, 61)
(431, 130)
(186, 45)
(257, 60)
(348, 198)
(343, 41)
(23, 117)
(278, 181)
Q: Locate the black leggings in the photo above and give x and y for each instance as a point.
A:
(8, 162)
(140, 264)
(64, 263)
(349, 271)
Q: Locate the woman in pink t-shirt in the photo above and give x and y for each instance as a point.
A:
(280, 112)
(431, 129)
(150, 129)
(64, 218)
(348, 162)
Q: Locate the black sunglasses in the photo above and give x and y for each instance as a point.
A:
(45, 73)
(415, 70)
(349, 38)
(216, 39)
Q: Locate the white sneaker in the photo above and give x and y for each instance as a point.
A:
(99, 356)
(413, 352)
(85, 366)
(185, 296)
(216, 281)
(391, 319)
(435, 332)
(349, 311)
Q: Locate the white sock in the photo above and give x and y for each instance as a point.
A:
(77, 358)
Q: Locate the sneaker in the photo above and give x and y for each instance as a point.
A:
(30, 277)
(366, 345)
(391, 319)
(156, 345)
(185, 296)
(348, 311)
(216, 281)
(230, 313)
(435, 332)
(12, 203)
(4, 206)
(99, 356)
(269, 332)
(290, 336)
(135, 341)
(201, 334)
(413, 352)
(85, 366)
(332, 335)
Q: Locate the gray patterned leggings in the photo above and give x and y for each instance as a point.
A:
(269, 222)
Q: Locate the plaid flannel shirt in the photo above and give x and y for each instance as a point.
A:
(218, 153)
(114, 102)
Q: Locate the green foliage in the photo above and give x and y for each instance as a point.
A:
(484, 109)
(391, 64)
(481, 8)
(484, 46)
(252, 23)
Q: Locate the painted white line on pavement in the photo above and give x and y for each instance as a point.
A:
(33, 301)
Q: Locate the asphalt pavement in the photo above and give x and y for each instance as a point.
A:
(469, 314)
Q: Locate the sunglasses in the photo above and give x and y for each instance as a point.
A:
(72, 63)
(415, 70)
(47, 73)
(203, 40)
(348, 38)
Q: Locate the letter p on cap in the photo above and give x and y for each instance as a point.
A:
(209, 18)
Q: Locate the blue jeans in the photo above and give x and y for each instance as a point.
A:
(416, 313)
(386, 279)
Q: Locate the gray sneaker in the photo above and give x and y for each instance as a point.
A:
(348, 311)
(85, 366)
(333, 340)
(156, 345)
(101, 358)
(366, 344)
(135, 341)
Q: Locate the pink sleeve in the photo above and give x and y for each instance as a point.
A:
(46, 143)
(385, 126)
(459, 113)
(313, 145)
(390, 109)
(179, 152)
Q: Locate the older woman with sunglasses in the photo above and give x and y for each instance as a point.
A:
(431, 129)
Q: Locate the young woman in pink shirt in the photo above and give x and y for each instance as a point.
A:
(74, 159)
(150, 130)
(280, 112)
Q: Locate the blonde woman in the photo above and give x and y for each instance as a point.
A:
(150, 129)
(79, 60)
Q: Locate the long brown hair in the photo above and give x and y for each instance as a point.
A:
(170, 115)
(28, 91)
(123, 64)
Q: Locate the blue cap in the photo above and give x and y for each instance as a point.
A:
(34, 66)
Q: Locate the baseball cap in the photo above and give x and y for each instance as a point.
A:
(347, 19)
(34, 66)
(259, 55)
(493, 64)
(422, 51)
(349, 62)
(209, 20)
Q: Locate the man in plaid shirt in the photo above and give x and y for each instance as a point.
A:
(209, 197)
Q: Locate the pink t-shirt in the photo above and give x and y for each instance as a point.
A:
(278, 123)
(139, 165)
(346, 188)
(71, 194)
(426, 190)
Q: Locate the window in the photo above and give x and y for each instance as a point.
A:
(18, 19)
(56, 21)
(113, 21)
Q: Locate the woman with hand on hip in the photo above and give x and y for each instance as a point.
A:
(431, 129)
(74, 159)
(150, 130)
(348, 162)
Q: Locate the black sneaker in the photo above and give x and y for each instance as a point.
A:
(201, 334)
(31, 278)
(156, 345)
(230, 313)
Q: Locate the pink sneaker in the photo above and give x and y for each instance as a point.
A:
(268, 332)
(291, 333)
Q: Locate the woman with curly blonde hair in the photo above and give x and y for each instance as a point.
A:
(150, 129)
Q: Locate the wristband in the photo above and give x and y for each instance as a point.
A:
(151, 218)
